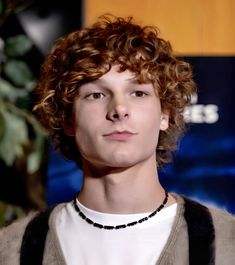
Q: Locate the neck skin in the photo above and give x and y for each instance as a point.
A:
(135, 189)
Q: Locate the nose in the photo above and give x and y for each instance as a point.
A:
(117, 110)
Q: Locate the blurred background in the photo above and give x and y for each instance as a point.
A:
(33, 175)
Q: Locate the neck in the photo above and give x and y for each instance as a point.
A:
(122, 190)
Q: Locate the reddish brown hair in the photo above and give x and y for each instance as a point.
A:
(85, 55)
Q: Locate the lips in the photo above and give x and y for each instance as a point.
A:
(119, 135)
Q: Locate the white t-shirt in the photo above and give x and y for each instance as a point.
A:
(85, 244)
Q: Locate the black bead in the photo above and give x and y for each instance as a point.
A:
(89, 221)
(82, 215)
(120, 226)
(133, 223)
(98, 225)
(152, 214)
(76, 208)
(108, 227)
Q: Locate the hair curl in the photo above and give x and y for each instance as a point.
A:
(85, 55)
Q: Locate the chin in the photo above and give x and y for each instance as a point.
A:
(114, 163)
(121, 160)
(123, 163)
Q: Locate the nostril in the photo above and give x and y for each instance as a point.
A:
(115, 116)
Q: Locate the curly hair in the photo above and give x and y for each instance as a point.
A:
(85, 55)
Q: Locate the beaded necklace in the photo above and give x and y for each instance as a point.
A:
(111, 227)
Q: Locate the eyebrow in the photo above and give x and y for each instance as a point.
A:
(101, 81)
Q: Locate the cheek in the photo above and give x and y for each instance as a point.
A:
(86, 114)
(151, 118)
(150, 124)
(85, 142)
(87, 134)
(84, 134)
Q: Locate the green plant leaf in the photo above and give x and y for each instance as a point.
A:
(35, 157)
(9, 213)
(5, 88)
(14, 138)
(18, 72)
(17, 45)
(11, 93)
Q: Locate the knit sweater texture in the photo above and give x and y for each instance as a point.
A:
(176, 250)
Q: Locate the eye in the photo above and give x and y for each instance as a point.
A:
(139, 93)
(95, 95)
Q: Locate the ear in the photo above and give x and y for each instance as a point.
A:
(69, 129)
(164, 121)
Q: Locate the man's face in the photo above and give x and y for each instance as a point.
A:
(116, 120)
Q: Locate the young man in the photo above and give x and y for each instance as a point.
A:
(111, 97)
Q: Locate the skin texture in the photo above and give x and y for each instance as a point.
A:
(116, 123)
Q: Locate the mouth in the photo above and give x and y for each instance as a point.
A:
(119, 135)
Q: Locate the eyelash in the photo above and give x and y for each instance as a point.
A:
(100, 95)
(143, 94)
(94, 94)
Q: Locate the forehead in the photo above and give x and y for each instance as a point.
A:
(115, 79)
(114, 75)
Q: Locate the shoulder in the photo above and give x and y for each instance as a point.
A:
(222, 220)
(224, 223)
(219, 223)
(16, 228)
(31, 225)
(10, 240)
(219, 216)
(223, 227)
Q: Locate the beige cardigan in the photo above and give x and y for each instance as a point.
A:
(175, 251)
